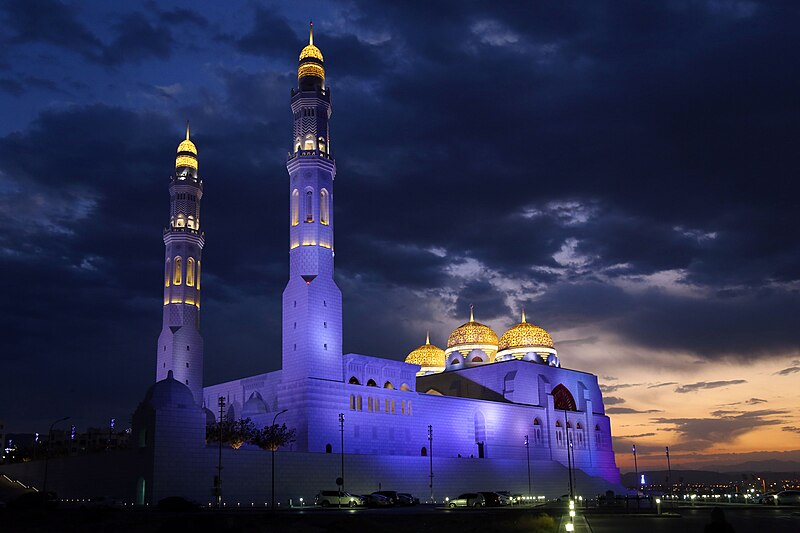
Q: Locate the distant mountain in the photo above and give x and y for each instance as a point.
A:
(772, 465)
(710, 476)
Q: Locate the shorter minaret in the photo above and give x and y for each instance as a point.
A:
(180, 346)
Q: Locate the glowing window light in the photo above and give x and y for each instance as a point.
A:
(324, 207)
(177, 277)
(190, 272)
(295, 206)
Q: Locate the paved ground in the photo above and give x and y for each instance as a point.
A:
(423, 519)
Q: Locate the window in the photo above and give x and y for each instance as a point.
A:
(198, 275)
(405, 387)
(309, 145)
(360, 406)
(177, 277)
(328, 448)
(187, 365)
(167, 275)
(181, 223)
(369, 404)
(295, 207)
(354, 381)
(352, 402)
(388, 385)
(309, 206)
(190, 272)
(324, 207)
(424, 452)
(562, 399)
(371, 383)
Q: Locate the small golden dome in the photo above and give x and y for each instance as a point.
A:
(427, 355)
(472, 333)
(311, 59)
(187, 152)
(525, 335)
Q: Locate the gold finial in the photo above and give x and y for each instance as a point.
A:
(428, 338)
(523, 315)
(311, 32)
(187, 130)
(471, 313)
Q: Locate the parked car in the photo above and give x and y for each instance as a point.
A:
(412, 500)
(506, 498)
(34, 500)
(177, 503)
(767, 499)
(398, 498)
(376, 500)
(491, 499)
(327, 498)
(468, 499)
(788, 497)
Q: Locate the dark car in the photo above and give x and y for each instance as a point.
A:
(412, 499)
(398, 498)
(788, 497)
(176, 503)
(34, 500)
(491, 499)
(376, 500)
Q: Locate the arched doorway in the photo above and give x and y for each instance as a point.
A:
(480, 434)
(563, 399)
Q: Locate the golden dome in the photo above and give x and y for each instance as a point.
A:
(427, 355)
(472, 333)
(311, 59)
(525, 335)
(187, 152)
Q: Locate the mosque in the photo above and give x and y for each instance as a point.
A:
(444, 421)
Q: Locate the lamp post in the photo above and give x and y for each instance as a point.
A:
(636, 469)
(430, 455)
(669, 473)
(569, 460)
(49, 446)
(218, 480)
(341, 429)
(272, 507)
(528, 454)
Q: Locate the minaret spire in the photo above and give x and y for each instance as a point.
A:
(523, 315)
(428, 337)
(471, 313)
(187, 130)
(311, 33)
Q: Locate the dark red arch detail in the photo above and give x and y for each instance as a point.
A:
(563, 399)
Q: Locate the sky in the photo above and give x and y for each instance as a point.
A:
(625, 171)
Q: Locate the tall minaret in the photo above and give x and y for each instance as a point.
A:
(312, 303)
(180, 346)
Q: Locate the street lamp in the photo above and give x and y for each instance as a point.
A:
(49, 446)
(569, 447)
(528, 454)
(341, 429)
(218, 480)
(430, 455)
(669, 472)
(274, 434)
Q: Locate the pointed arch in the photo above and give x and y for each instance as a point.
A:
(295, 207)
(190, 272)
(309, 144)
(309, 206)
(324, 207)
(354, 381)
(388, 385)
(371, 383)
(562, 399)
(177, 276)
(198, 275)
(167, 273)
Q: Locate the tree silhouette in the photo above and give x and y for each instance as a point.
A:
(273, 437)
(234, 433)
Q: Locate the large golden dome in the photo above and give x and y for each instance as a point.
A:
(472, 333)
(525, 335)
(187, 152)
(427, 355)
(311, 61)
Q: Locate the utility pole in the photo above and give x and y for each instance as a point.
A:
(528, 454)
(430, 455)
(669, 473)
(341, 429)
(218, 480)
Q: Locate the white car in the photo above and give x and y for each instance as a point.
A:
(469, 499)
(328, 498)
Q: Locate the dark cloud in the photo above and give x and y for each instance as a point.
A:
(629, 411)
(702, 433)
(136, 40)
(788, 371)
(614, 388)
(755, 401)
(791, 429)
(637, 436)
(702, 385)
(613, 400)
(659, 385)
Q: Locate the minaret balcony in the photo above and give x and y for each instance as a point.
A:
(308, 153)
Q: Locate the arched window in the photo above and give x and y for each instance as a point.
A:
(369, 404)
(191, 223)
(352, 402)
(309, 143)
(388, 385)
(455, 362)
(558, 423)
(295, 207)
(309, 206)
(424, 452)
(297, 145)
(321, 143)
(563, 399)
(405, 387)
(477, 359)
(371, 383)
(167, 274)
(328, 448)
(181, 223)
(177, 277)
(324, 207)
(354, 381)
(360, 404)
(198, 275)
(190, 272)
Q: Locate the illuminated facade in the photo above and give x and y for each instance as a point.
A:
(180, 346)
(492, 402)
